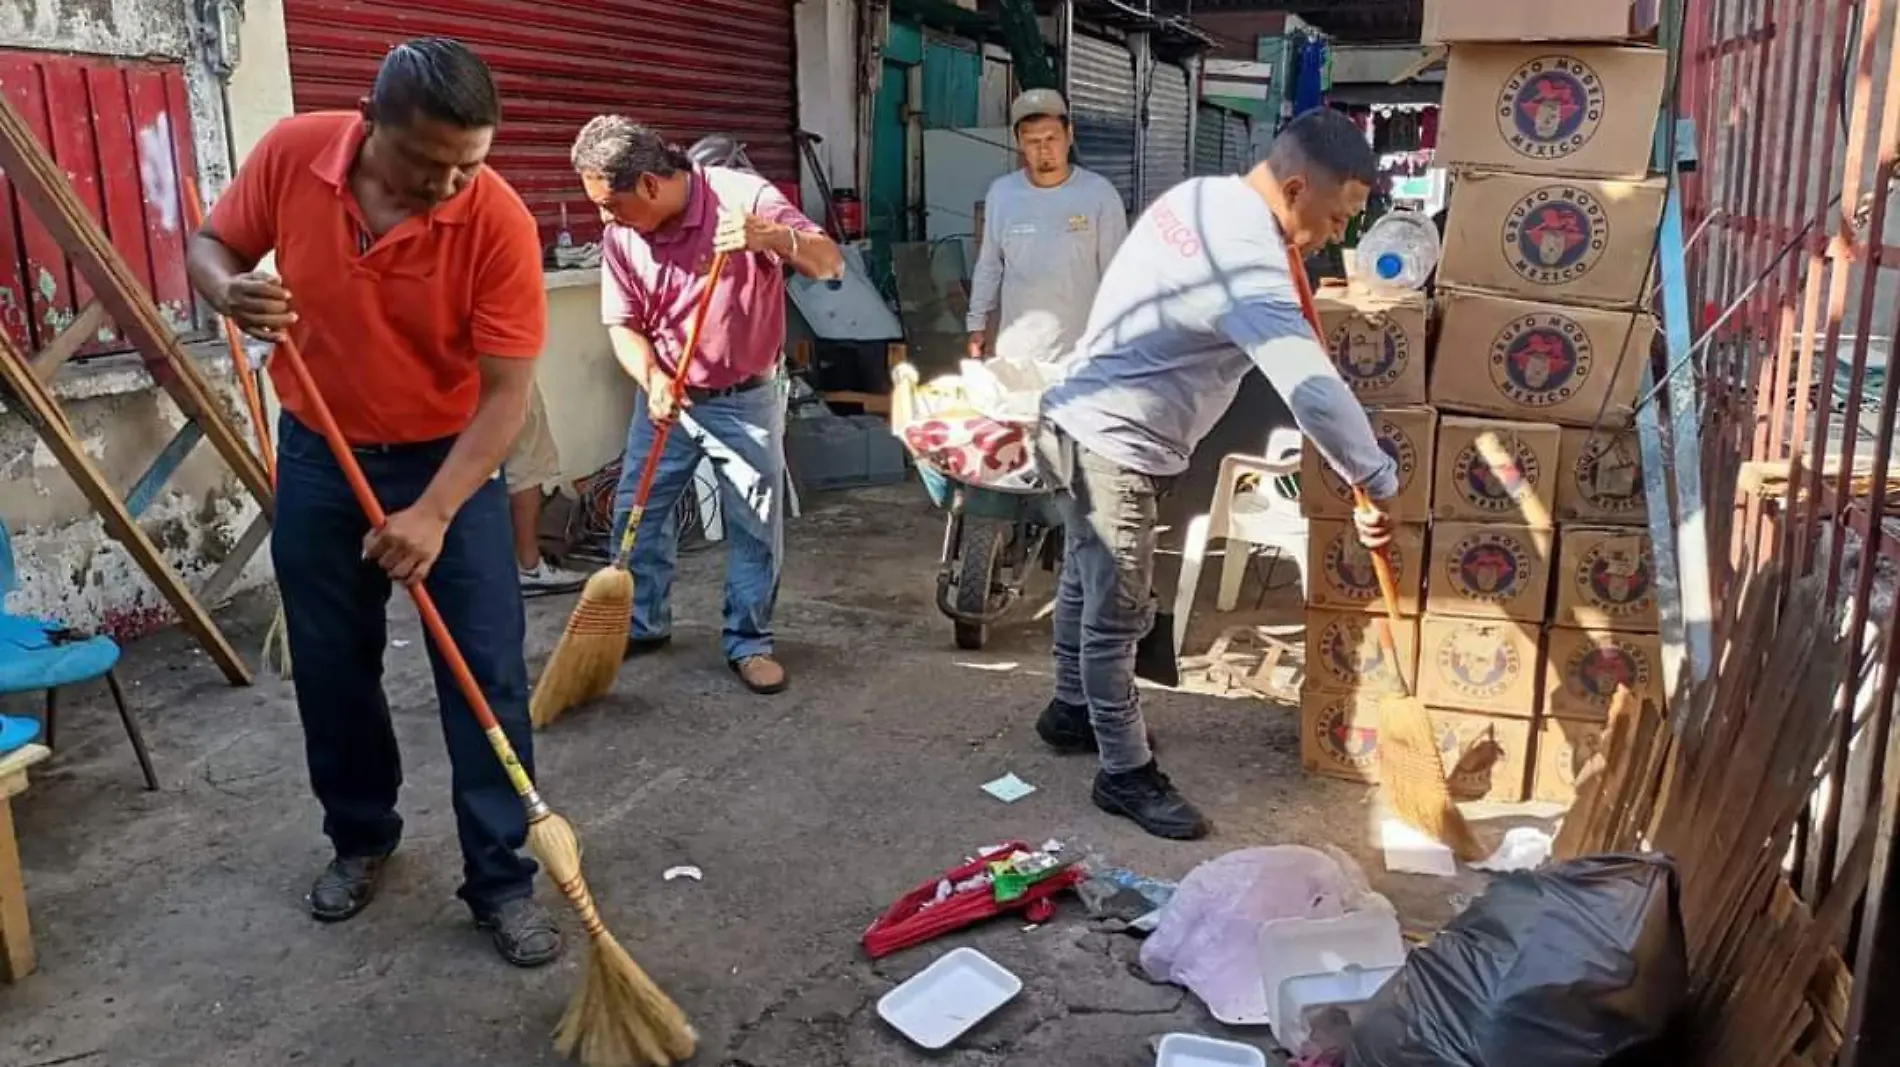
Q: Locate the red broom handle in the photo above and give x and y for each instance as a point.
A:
(240, 359)
(366, 499)
(665, 431)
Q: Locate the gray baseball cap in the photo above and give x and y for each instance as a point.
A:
(1035, 104)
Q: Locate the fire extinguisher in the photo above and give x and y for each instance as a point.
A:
(850, 213)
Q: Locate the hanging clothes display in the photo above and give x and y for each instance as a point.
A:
(1310, 90)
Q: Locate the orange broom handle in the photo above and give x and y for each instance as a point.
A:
(432, 621)
(1362, 500)
(664, 432)
(240, 359)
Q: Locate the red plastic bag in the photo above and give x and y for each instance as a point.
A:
(909, 923)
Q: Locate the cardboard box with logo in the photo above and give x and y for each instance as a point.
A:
(1547, 362)
(1602, 479)
(1486, 757)
(1494, 470)
(1606, 580)
(1550, 239)
(1409, 435)
(1487, 665)
(1583, 668)
(1564, 748)
(1490, 571)
(1345, 655)
(1339, 735)
(1339, 573)
(1378, 342)
(1538, 20)
(1554, 109)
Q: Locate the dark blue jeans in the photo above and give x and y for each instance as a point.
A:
(334, 603)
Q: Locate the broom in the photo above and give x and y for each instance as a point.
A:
(594, 645)
(1410, 767)
(276, 653)
(619, 1018)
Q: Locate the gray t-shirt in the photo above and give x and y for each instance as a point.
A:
(1044, 251)
(1199, 295)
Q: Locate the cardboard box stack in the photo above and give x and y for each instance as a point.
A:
(1540, 598)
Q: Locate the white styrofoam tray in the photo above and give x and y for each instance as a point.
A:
(949, 997)
(1193, 1050)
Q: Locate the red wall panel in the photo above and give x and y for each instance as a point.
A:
(686, 67)
(121, 130)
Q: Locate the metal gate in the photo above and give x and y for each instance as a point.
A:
(686, 67)
(1222, 142)
(1237, 142)
(1102, 107)
(1169, 118)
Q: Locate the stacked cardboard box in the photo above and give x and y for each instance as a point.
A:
(1544, 326)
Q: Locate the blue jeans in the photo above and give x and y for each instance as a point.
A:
(743, 434)
(334, 605)
(1104, 601)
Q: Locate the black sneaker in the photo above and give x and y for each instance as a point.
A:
(642, 646)
(1151, 800)
(1066, 728)
(346, 887)
(524, 932)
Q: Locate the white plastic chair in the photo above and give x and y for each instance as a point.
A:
(1266, 514)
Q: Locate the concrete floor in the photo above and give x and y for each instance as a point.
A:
(171, 928)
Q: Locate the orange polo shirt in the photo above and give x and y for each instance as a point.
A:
(393, 335)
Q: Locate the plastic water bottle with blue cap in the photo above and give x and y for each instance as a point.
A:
(1400, 251)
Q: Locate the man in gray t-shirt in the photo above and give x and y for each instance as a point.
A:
(1049, 231)
(1200, 294)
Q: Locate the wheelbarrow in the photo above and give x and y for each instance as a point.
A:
(991, 539)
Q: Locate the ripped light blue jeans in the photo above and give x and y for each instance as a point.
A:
(743, 434)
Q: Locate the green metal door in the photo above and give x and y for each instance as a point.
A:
(884, 208)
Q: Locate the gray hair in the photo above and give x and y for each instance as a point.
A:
(621, 150)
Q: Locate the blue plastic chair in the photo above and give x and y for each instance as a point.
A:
(38, 654)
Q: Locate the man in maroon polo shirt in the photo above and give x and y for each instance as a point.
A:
(666, 218)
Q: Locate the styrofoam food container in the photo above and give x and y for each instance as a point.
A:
(948, 997)
(1368, 939)
(1193, 1050)
(1348, 989)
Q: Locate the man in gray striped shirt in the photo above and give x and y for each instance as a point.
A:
(1201, 294)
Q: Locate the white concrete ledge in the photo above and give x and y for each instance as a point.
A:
(571, 278)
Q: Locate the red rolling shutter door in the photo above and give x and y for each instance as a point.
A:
(686, 67)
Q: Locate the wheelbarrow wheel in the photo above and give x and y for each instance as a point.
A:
(983, 545)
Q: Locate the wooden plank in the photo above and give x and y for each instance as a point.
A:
(73, 146)
(120, 188)
(256, 536)
(163, 466)
(74, 337)
(38, 407)
(16, 929)
(54, 201)
(168, 154)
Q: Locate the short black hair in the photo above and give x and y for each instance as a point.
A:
(439, 77)
(621, 150)
(1325, 143)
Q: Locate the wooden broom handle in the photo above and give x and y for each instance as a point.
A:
(661, 434)
(1362, 500)
(366, 499)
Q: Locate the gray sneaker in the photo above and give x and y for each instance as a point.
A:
(548, 580)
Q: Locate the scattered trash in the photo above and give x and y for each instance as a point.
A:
(1577, 965)
(399, 643)
(1410, 850)
(1193, 1050)
(1209, 935)
(1003, 879)
(1116, 893)
(949, 997)
(674, 874)
(1009, 789)
(1524, 849)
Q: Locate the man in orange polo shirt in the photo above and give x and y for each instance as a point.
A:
(411, 278)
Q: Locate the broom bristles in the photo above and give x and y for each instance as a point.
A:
(592, 647)
(619, 1017)
(1413, 775)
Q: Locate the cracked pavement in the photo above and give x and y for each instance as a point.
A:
(171, 930)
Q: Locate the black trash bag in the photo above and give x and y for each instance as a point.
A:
(1581, 964)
